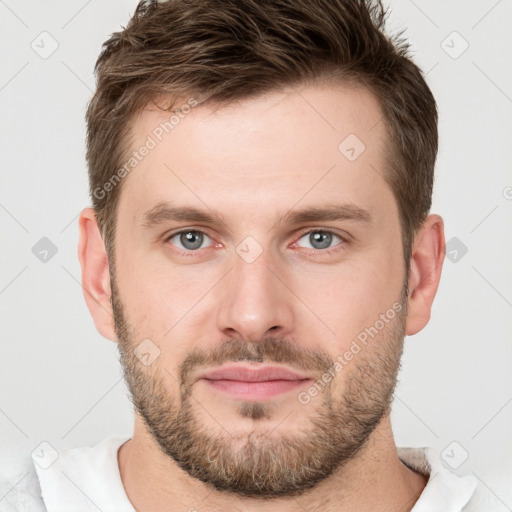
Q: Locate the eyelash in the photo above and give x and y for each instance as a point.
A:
(336, 247)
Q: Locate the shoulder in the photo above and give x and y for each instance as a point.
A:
(22, 492)
(450, 492)
(492, 494)
(56, 479)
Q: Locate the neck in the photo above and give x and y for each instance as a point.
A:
(375, 479)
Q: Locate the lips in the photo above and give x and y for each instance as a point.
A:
(242, 382)
(251, 374)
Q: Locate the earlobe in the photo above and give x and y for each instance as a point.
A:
(95, 274)
(425, 272)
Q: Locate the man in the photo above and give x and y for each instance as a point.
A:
(259, 245)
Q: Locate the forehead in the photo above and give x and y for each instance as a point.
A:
(322, 141)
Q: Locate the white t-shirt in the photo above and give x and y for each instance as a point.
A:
(88, 479)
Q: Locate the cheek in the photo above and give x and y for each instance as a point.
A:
(351, 298)
(160, 300)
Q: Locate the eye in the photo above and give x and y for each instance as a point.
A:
(321, 239)
(190, 239)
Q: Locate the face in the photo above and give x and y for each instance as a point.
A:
(259, 288)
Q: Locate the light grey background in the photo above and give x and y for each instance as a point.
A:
(60, 379)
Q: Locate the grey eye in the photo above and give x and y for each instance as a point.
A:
(320, 239)
(190, 240)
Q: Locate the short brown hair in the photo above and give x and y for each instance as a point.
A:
(227, 50)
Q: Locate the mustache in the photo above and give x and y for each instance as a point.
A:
(269, 350)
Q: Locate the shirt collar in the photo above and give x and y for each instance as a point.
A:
(444, 490)
(85, 479)
(89, 479)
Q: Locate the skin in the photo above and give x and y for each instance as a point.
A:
(251, 163)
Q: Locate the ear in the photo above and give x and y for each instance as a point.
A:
(427, 260)
(95, 274)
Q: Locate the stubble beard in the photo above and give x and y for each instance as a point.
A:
(261, 463)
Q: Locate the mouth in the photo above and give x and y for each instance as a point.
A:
(253, 383)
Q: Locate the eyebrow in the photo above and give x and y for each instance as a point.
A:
(330, 212)
(164, 212)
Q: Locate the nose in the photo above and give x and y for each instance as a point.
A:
(254, 300)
